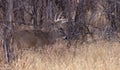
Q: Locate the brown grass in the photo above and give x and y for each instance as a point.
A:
(95, 56)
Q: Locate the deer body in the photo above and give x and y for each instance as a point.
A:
(32, 39)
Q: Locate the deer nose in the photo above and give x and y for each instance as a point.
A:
(65, 37)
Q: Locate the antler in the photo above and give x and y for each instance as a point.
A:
(60, 19)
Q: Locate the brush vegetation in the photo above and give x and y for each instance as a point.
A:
(101, 55)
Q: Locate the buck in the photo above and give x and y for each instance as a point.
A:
(36, 38)
(26, 39)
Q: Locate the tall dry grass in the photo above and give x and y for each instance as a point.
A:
(101, 55)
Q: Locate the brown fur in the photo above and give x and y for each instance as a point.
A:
(33, 38)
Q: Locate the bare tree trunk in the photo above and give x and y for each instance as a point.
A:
(40, 12)
(19, 13)
(34, 2)
(7, 28)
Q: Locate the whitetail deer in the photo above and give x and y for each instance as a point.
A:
(26, 39)
(35, 38)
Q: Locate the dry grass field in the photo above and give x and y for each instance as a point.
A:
(101, 55)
